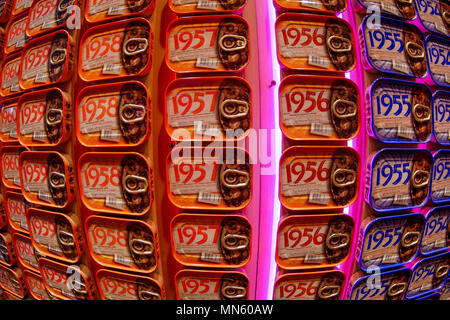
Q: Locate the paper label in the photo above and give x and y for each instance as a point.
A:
(118, 289)
(304, 289)
(35, 63)
(9, 120)
(195, 288)
(435, 231)
(31, 118)
(99, 113)
(423, 276)
(192, 43)
(208, 5)
(303, 41)
(430, 16)
(112, 7)
(442, 117)
(16, 211)
(35, 177)
(10, 76)
(103, 51)
(196, 239)
(301, 241)
(26, 252)
(441, 176)
(10, 166)
(439, 61)
(43, 14)
(16, 34)
(112, 242)
(101, 181)
(43, 230)
(57, 280)
(37, 286)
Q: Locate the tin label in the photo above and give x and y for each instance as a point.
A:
(10, 77)
(31, 119)
(196, 288)
(440, 185)
(98, 113)
(430, 15)
(365, 290)
(16, 35)
(35, 178)
(424, 279)
(26, 252)
(435, 233)
(22, 4)
(58, 280)
(303, 241)
(10, 167)
(37, 286)
(304, 289)
(9, 121)
(118, 289)
(43, 15)
(16, 211)
(43, 230)
(389, 6)
(439, 61)
(35, 64)
(442, 117)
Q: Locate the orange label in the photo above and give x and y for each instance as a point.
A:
(11, 168)
(10, 77)
(15, 38)
(9, 122)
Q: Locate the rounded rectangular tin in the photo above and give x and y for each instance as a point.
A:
(440, 177)
(15, 37)
(218, 241)
(430, 18)
(11, 281)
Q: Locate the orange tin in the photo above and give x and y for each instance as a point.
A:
(319, 178)
(116, 50)
(218, 241)
(10, 167)
(11, 281)
(21, 6)
(183, 7)
(209, 178)
(113, 115)
(7, 253)
(211, 285)
(8, 132)
(66, 282)
(5, 11)
(208, 44)
(103, 10)
(319, 108)
(35, 285)
(10, 71)
(205, 108)
(47, 178)
(47, 60)
(313, 6)
(128, 245)
(44, 118)
(315, 43)
(48, 15)
(16, 208)
(115, 285)
(15, 34)
(55, 235)
(117, 183)
(314, 241)
(319, 285)
(26, 253)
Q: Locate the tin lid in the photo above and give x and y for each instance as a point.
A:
(103, 11)
(8, 128)
(26, 254)
(35, 285)
(11, 167)
(15, 38)
(206, 6)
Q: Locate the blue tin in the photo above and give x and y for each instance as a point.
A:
(398, 179)
(438, 61)
(440, 177)
(393, 241)
(436, 235)
(387, 41)
(428, 275)
(393, 118)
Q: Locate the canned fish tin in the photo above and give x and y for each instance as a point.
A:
(35, 285)
(102, 11)
(441, 120)
(399, 111)
(7, 253)
(322, 285)
(445, 291)
(116, 50)
(211, 285)
(48, 15)
(393, 47)
(15, 34)
(129, 245)
(26, 254)
(428, 275)
(11, 167)
(5, 10)
(209, 178)
(436, 233)
(67, 282)
(217, 241)
(318, 177)
(16, 208)
(398, 8)
(208, 44)
(10, 71)
(21, 6)
(389, 242)
(55, 235)
(440, 177)
(47, 60)
(8, 132)
(398, 179)
(393, 286)
(434, 16)
(47, 178)
(306, 242)
(187, 7)
(208, 108)
(11, 281)
(438, 62)
(113, 115)
(319, 108)
(44, 118)
(315, 43)
(118, 183)
(314, 6)
(115, 285)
